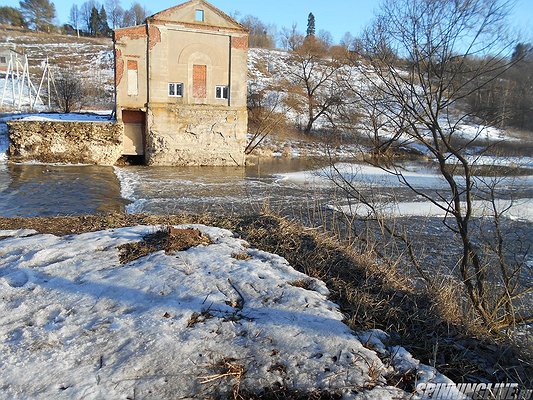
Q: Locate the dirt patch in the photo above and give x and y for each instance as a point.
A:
(307, 284)
(241, 256)
(169, 239)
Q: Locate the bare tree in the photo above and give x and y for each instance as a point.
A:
(260, 35)
(266, 114)
(421, 55)
(291, 38)
(325, 37)
(69, 91)
(86, 12)
(115, 13)
(139, 13)
(510, 98)
(315, 77)
(128, 18)
(75, 18)
(347, 41)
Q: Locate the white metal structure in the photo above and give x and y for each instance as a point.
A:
(18, 83)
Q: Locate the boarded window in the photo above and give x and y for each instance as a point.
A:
(199, 81)
(133, 78)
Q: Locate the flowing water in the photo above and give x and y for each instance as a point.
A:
(289, 186)
(48, 190)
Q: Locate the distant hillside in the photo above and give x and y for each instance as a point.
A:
(91, 58)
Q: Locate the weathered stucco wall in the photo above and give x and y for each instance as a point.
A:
(130, 55)
(196, 135)
(65, 142)
(197, 52)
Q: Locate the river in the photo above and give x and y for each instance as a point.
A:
(294, 187)
(50, 190)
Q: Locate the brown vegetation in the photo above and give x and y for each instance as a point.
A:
(371, 295)
(169, 239)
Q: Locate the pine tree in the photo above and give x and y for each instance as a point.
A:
(39, 14)
(311, 25)
(103, 25)
(94, 22)
(11, 16)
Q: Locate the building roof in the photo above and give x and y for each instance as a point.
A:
(178, 13)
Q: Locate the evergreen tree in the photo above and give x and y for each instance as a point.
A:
(39, 14)
(11, 16)
(103, 25)
(522, 51)
(94, 22)
(310, 25)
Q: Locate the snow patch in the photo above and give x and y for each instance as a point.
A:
(71, 117)
(75, 323)
(520, 209)
(363, 175)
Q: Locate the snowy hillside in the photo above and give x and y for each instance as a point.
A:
(82, 318)
(90, 57)
(93, 59)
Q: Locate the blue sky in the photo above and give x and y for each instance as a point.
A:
(335, 16)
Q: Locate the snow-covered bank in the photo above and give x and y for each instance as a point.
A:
(100, 116)
(365, 175)
(76, 323)
(520, 209)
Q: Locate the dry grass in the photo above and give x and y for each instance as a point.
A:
(197, 318)
(169, 239)
(371, 295)
(243, 256)
(227, 368)
(303, 283)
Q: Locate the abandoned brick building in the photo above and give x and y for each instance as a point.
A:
(180, 81)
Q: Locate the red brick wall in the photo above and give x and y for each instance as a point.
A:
(199, 81)
(239, 42)
(119, 66)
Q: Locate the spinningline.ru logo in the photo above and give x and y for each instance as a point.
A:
(473, 391)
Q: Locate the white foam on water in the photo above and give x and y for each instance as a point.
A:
(129, 184)
(129, 181)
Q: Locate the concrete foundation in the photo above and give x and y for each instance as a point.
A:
(195, 135)
(65, 142)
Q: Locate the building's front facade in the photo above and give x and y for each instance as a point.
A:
(181, 84)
